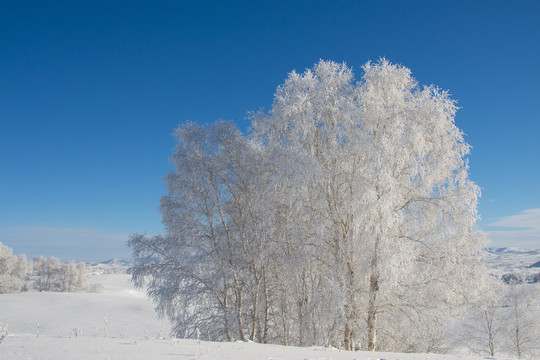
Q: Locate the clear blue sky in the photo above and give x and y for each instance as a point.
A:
(90, 92)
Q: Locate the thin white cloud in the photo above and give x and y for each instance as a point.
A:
(520, 231)
(67, 243)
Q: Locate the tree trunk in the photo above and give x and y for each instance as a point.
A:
(489, 327)
(239, 309)
(348, 341)
(372, 306)
(351, 312)
(266, 310)
(226, 317)
(284, 315)
(255, 316)
(372, 312)
(302, 302)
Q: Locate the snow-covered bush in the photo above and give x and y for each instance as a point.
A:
(13, 270)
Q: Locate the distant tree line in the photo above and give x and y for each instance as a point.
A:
(41, 274)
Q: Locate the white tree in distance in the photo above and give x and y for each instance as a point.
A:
(13, 270)
(47, 273)
(357, 191)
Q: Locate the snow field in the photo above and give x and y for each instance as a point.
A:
(49, 347)
(118, 311)
(120, 323)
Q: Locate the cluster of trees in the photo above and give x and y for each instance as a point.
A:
(42, 274)
(50, 275)
(13, 270)
(504, 321)
(346, 217)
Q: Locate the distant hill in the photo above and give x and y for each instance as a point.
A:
(118, 262)
(111, 266)
(513, 264)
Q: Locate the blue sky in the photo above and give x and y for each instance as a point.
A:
(90, 92)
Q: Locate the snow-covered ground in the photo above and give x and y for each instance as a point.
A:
(505, 261)
(120, 323)
(119, 310)
(26, 347)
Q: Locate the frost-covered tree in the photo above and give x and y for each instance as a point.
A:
(47, 273)
(73, 277)
(389, 194)
(13, 270)
(483, 325)
(504, 320)
(522, 327)
(212, 259)
(346, 217)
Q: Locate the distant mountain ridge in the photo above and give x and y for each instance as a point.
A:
(115, 262)
(111, 266)
(512, 250)
(514, 264)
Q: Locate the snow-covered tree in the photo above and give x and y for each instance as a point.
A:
(346, 217)
(389, 194)
(47, 273)
(13, 270)
(212, 257)
(521, 319)
(482, 327)
(73, 277)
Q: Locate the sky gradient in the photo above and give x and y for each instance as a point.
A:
(90, 93)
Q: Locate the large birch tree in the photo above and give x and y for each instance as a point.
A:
(388, 178)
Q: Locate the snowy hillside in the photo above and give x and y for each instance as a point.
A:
(506, 261)
(120, 323)
(111, 266)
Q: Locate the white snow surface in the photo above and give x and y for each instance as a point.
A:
(120, 323)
